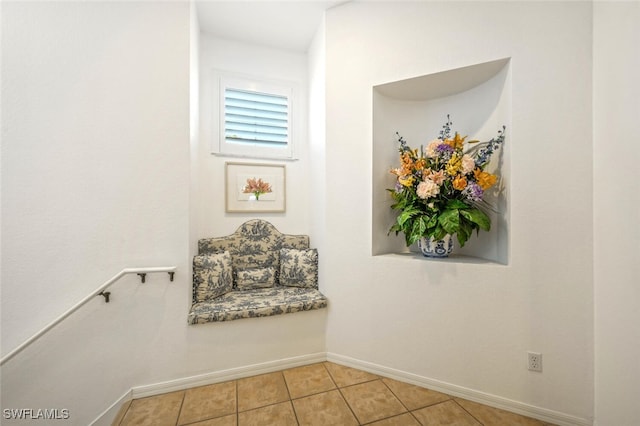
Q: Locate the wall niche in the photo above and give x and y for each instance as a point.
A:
(478, 100)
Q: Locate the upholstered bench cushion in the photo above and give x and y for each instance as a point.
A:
(257, 303)
(273, 273)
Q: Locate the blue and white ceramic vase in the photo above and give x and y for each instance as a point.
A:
(436, 248)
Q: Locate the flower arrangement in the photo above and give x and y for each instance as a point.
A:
(440, 189)
(256, 187)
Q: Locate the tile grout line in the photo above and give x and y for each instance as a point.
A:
(315, 393)
(347, 402)
(376, 378)
(290, 400)
(324, 364)
(184, 395)
(396, 397)
(349, 406)
(405, 407)
(237, 413)
(125, 413)
(451, 398)
(204, 419)
(467, 411)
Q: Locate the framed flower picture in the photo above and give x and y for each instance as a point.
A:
(254, 187)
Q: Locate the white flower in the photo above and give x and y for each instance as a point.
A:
(430, 151)
(427, 188)
(468, 164)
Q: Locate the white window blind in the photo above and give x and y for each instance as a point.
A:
(256, 118)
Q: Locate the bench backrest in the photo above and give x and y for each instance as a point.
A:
(255, 244)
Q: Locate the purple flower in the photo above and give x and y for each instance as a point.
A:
(443, 148)
(473, 192)
(444, 151)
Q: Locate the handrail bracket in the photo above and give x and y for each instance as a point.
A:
(106, 295)
(143, 276)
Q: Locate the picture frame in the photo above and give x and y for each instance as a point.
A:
(253, 187)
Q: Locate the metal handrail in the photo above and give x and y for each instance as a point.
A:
(98, 292)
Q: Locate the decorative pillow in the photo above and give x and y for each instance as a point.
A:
(299, 268)
(247, 279)
(212, 276)
(254, 256)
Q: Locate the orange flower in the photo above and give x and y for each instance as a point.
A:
(484, 179)
(256, 187)
(460, 182)
(406, 163)
(420, 164)
(457, 142)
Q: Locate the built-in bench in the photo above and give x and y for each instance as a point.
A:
(255, 272)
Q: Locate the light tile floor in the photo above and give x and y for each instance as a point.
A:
(318, 394)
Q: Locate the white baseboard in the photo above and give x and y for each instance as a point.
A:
(226, 375)
(110, 414)
(555, 417)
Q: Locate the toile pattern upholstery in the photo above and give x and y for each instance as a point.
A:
(258, 255)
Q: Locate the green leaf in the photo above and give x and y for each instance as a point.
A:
(450, 221)
(439, 233)
(478, 217)
(418, 229)
(407, 215)
(395, 228)
(464, 232)
(456, 204)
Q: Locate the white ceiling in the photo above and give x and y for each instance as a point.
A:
(288, 25)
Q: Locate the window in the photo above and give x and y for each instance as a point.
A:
(255, 118)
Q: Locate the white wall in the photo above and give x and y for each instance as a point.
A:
(95, 178)
(194, 127)
(317, 139)
(269, 64)
(469, 325)
(616, 101)
(100, 172)
(93, 156)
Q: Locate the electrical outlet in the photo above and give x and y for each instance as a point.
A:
(535, 361)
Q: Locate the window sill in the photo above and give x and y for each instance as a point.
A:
(256, 157)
